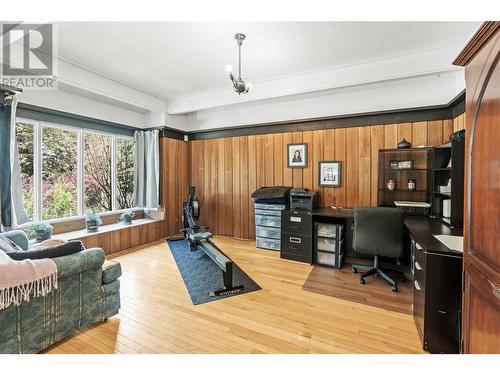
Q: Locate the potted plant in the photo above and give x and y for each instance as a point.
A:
(39, 231)
(127, 217)
(92, 222)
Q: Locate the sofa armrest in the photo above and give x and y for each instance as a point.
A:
(80, 262)
(19, 237)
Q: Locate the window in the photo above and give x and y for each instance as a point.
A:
(67, 172)
(124, 173)
(59, 173)
(97, 166)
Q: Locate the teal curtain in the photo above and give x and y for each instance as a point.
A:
(5, 171)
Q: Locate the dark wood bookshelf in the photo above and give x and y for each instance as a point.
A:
(441, 173)
(420, 172)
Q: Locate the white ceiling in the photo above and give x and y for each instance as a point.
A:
(173, 59)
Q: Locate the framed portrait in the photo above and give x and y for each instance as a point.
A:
(329, 173)
(297, 155)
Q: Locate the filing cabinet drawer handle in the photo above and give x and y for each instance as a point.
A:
(295, 240)
(417, 266)
(417, 287)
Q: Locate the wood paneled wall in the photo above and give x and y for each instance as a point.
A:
(174, 182)
(226, 171)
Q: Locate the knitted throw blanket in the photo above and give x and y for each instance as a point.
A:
(21, 280)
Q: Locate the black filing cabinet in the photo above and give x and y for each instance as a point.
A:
(436, 298)
(296, 235)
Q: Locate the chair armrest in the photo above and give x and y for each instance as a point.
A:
(19, 237)
(76, 263)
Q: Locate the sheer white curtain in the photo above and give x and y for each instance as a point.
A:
(147, 169)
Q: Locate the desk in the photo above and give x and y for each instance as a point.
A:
(423, 230)
(437, 285)
(436, 274)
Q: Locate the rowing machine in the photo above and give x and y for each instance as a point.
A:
(198, 238)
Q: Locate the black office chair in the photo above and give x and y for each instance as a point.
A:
(378, 231)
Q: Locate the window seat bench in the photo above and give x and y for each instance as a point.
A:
(117, 236)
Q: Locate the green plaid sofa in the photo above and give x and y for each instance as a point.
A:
(88, 292)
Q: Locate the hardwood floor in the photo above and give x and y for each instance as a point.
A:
(157, 315)
(345, 285)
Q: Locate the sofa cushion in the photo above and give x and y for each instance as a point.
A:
(111, 271)
(19, 237)
(8, 246)
(68, 248)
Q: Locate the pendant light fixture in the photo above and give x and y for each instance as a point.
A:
(238, 84)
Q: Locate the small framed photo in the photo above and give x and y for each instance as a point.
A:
(329, 173)
(393, 164)
(297, 155)
(405, 164)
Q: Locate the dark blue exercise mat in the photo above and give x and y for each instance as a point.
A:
(202, 276)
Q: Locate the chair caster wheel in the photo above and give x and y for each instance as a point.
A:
(394, 288)
(362, 281)
(354, 270)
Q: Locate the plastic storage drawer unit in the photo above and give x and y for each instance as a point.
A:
(268, 225)
(329, 244)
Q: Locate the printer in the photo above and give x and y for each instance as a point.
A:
(303, 199)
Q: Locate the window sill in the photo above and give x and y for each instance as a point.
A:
(61, 226)
(81, 233)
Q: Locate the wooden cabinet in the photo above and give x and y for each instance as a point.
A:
(481, 298)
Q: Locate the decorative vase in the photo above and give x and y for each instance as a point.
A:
(404, 144)
(92, 226)
(127, 217)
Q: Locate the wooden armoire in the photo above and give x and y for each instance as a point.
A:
(481, 284)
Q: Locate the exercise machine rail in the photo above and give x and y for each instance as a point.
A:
(198, 238)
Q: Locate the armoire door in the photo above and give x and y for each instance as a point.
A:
(481, 298)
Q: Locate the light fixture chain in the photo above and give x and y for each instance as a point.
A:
(239, 60)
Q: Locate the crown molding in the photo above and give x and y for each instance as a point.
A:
(480, 37)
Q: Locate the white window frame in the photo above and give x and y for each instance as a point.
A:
(37, 168)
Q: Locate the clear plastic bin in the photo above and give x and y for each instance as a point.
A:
(268, 221)
(327, 259)
(268, 243)
(268, 212)
(327, 244)
(274, 207)
(268, 232)
(329, 230)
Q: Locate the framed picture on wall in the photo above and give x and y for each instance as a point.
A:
(297, 155)
(329, 173)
